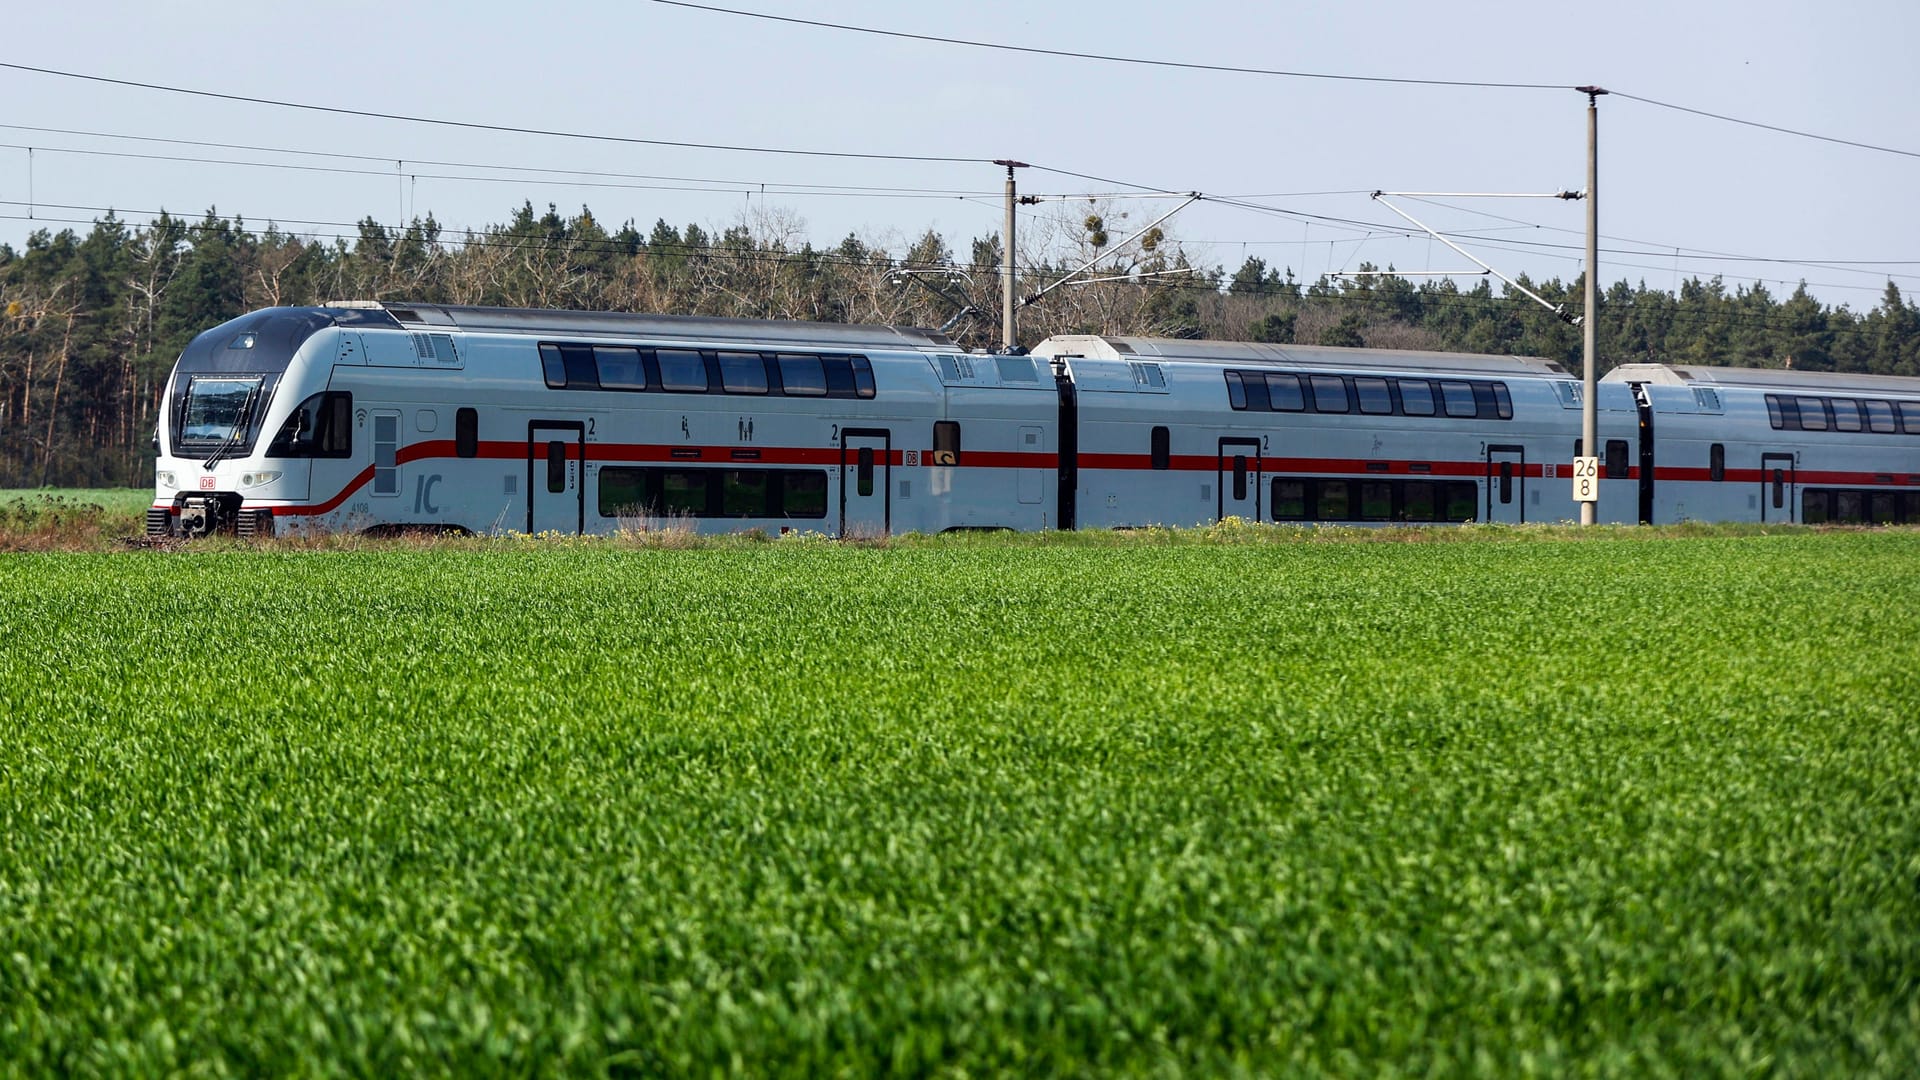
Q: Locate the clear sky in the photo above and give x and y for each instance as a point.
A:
(1669, 180)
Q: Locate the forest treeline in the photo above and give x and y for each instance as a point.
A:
(90, 323)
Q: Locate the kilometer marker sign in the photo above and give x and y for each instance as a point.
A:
(1586, 479)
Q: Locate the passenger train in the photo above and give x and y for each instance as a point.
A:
(391, 417)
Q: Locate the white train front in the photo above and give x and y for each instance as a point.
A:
(390, 417)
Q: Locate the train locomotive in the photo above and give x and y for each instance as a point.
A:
(386, 417)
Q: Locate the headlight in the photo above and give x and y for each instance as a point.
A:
(166, 479)
(255, 479)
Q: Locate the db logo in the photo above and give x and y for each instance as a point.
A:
(910, 458)
(206, 483)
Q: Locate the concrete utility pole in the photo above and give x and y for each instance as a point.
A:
(1008, 340)
(1590, 381)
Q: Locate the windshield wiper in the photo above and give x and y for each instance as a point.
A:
(240, 421)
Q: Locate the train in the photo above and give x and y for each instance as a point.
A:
(399, 417)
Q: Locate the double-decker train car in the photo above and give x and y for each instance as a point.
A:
(1763, 444)
(379, 416)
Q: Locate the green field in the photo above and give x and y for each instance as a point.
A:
(1617, 806)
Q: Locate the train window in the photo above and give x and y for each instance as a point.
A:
(946, 442)
(862, 377)
(1502, 401)
(1376, 500)
(745, 493)
(1779, 487)
(1458, 397)
(1910, 417)
(578, 360)
(1883, 507)
(619, 367)
(839, 376)
(684, 491)
(1506, 481)
(682, 371)
(803, 493)
(1162, 446)
(1483, 404)
(1329, 393)
(1816, 506)
(743, 373)
(802, 375)
(1374, 396)
(1463, 500)
(1283, 393)
(1239, 476)
(1879, 416)
(554, 368)
(556, 465)
(1846, 414)
(1717, 462)
(1776, 412)
(789, 493)
(864, 462)
(1416, 397)
(1813, 414)
(1616, 460)
(1236, 391)
(1289, 500)
(1417, 501)
(466, 433)
(1335, 502)
(1849, 507)
(623, 491)
(319, 427)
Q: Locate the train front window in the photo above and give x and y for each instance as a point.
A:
(214, 407)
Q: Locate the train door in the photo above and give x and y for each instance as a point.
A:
(1643, 404)
(1506, 484)
(556, 481)
(1239, 479)
(1777, 484)
(865, 473)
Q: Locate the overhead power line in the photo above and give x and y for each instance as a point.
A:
(1766, 127)
(1076, 54)
(466, 237)
(472, 125)
(724, 184)
(713, 186)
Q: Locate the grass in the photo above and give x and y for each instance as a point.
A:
(45, 519)
(1645, 804)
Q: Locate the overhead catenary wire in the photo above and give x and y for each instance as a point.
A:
(476, 125)
(455, 234)
(1855, 325)
(718, 186)
(1081, 54)
(724, 184)
(455, 237)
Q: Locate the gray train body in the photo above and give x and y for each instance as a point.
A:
(358, 417)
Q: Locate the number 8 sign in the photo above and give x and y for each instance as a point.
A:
(1586, 479)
